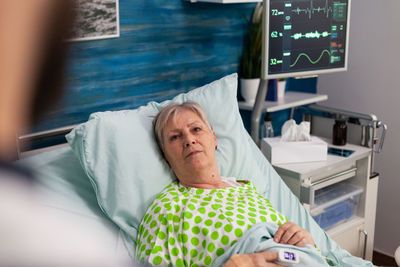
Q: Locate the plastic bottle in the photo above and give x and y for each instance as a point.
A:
(267, 130)
(339, 133)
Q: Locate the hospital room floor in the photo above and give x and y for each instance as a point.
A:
(380, 259)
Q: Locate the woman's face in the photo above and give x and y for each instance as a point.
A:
(189, 144)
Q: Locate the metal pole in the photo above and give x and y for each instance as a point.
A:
(258, 110)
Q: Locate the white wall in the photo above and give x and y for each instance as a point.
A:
(372, 85)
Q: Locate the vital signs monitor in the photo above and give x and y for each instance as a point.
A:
(305, 37)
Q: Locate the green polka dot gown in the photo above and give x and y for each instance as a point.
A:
(192, 227)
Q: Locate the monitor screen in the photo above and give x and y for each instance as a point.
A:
(305, 37)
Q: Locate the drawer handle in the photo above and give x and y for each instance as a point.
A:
(365, 242)
(334, 176)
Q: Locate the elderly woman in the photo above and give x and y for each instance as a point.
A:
(197, 218)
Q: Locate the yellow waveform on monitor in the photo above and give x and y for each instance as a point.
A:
(309, 59)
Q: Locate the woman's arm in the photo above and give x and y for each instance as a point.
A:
(288, 233)
(291, 233)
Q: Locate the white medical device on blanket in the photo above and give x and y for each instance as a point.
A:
(287, 257)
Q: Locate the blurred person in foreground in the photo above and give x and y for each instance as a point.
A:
(32, 55)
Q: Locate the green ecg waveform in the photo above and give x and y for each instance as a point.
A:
(309, 59)
(310, 35)
(311, 10)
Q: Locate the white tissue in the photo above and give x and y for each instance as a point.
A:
(292, 132)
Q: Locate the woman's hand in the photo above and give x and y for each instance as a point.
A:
(291, 233)
(259, 259)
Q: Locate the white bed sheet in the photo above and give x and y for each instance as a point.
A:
(64, 190)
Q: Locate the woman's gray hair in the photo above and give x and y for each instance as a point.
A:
(170, 111)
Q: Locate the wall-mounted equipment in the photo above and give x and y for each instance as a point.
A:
(301, 38)
(305, 37)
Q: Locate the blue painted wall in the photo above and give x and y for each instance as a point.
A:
(165, 47)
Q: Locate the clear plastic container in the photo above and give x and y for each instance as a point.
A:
(335, 204)
(267, 130)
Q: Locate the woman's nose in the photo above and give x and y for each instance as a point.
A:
(189, 140)
(190, 143)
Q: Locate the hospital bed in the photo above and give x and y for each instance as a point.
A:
(112, 169)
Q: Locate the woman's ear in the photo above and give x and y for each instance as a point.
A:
(215, 140)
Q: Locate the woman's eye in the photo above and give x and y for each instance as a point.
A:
(197, 129)
(173, 138)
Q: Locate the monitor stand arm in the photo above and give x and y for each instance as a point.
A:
(258, 110)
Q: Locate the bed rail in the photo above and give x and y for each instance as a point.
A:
(23, 140)
(46, 134)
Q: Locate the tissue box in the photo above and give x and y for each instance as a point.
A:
(278, 152)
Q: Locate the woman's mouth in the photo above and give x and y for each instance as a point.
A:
(192, 154)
